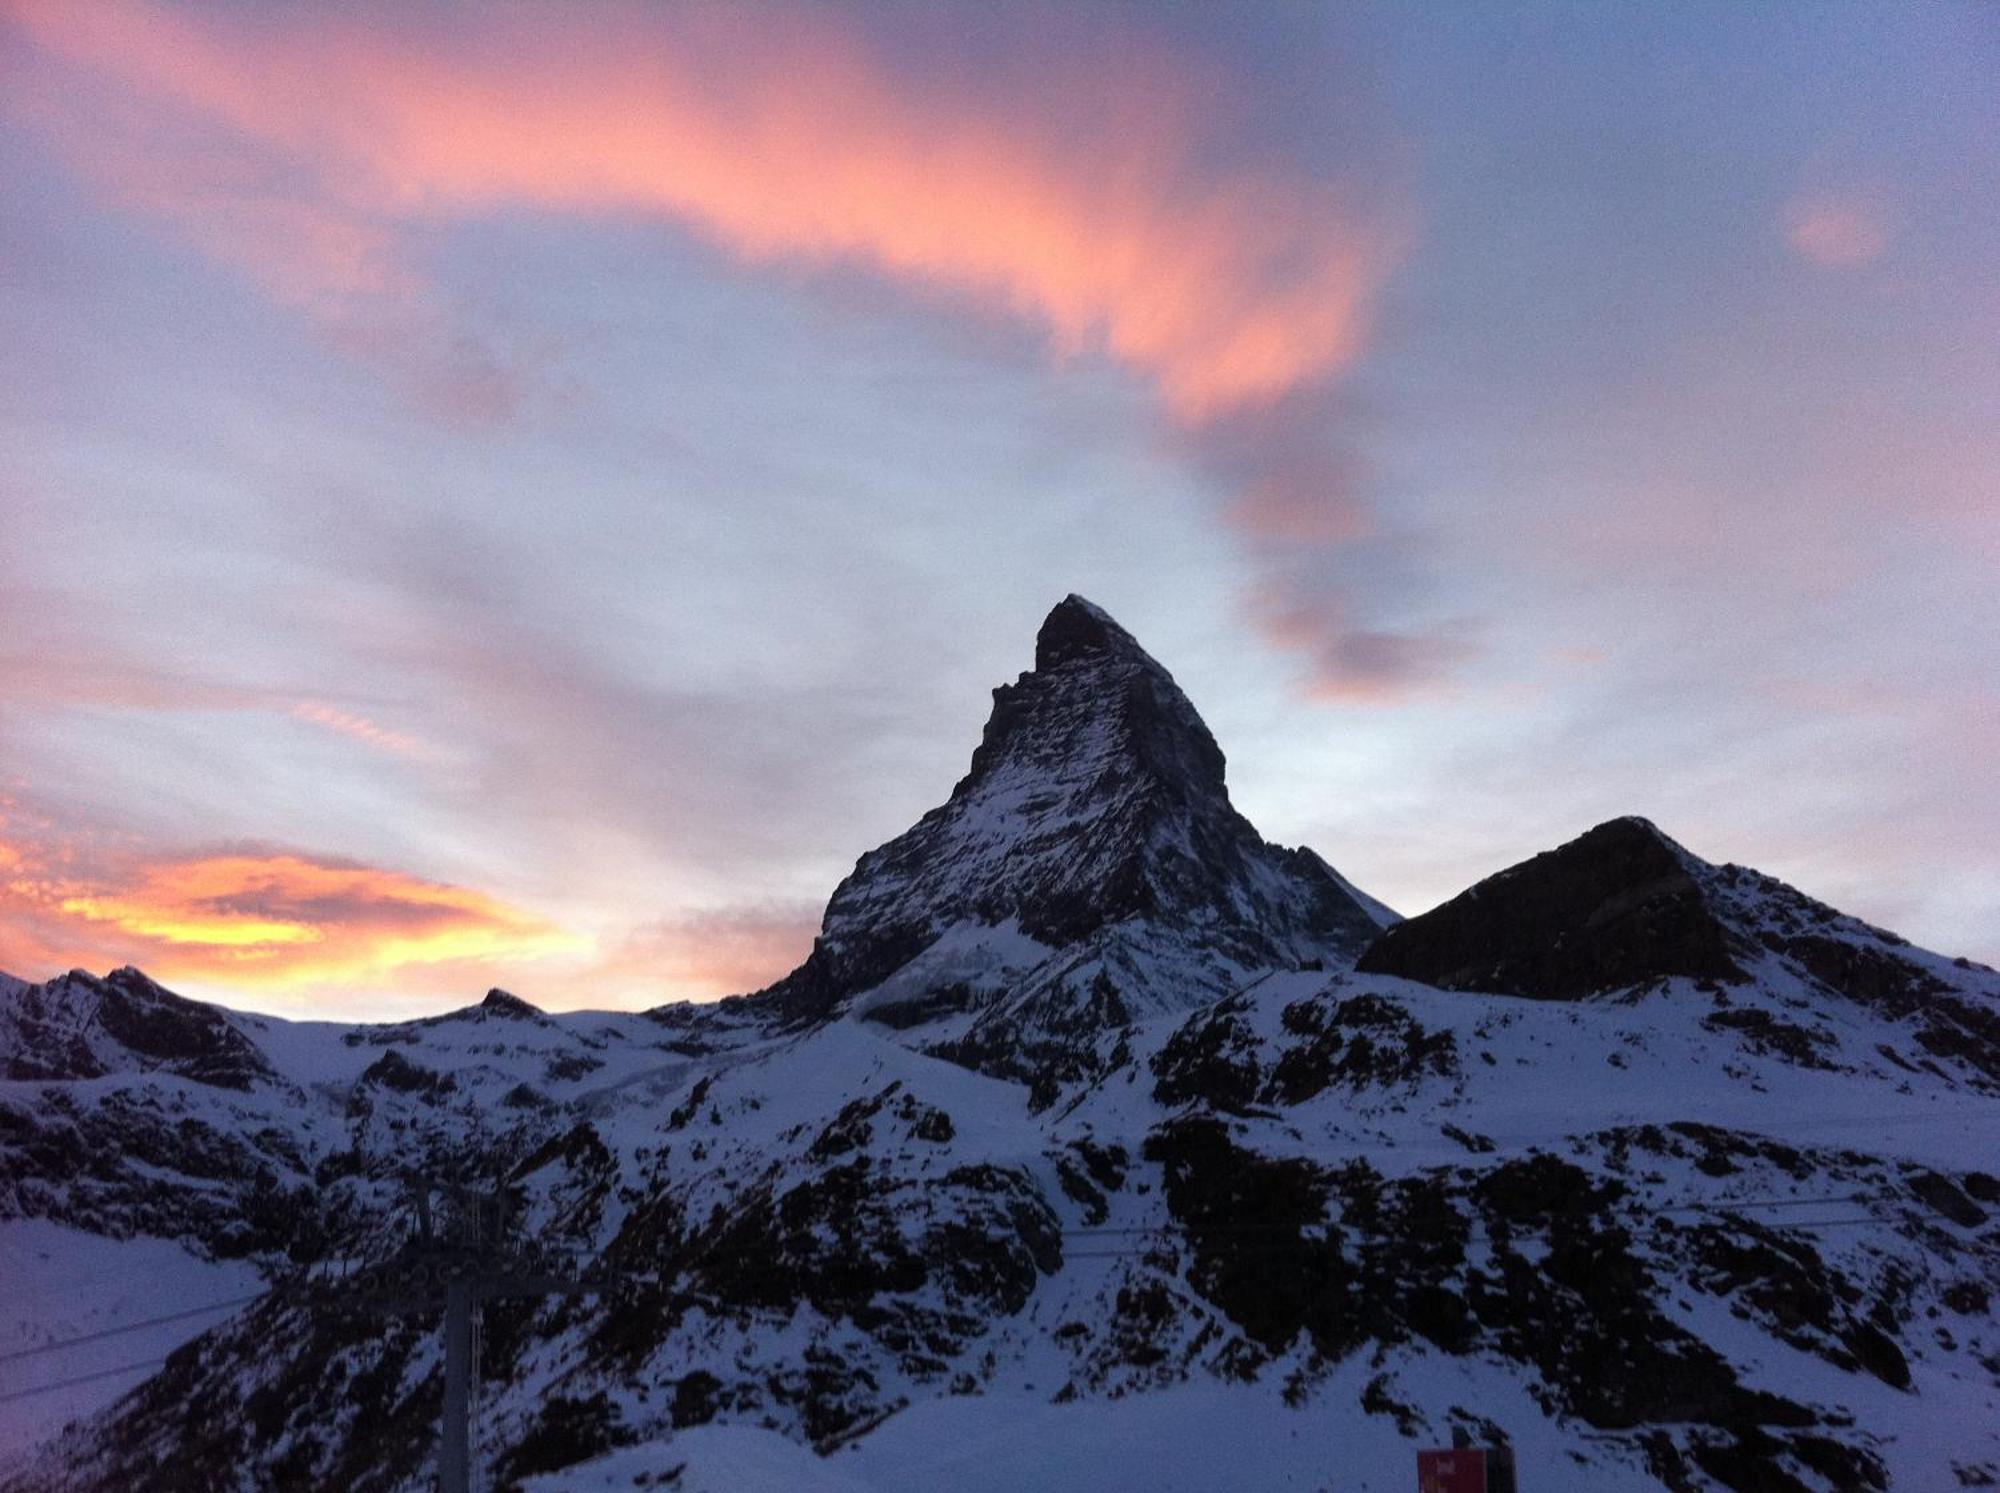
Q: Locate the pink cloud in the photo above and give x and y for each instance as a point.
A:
(1353, 664)
(1840, 233)
(784, 140)
(1107, 207)
(358, 728)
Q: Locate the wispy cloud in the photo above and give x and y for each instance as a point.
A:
(359, 728)
(1111, 208)
(775, 133)
(47, 670)
(1352, 663)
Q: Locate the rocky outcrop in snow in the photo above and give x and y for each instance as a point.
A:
(81, 1026)
(1623, 907)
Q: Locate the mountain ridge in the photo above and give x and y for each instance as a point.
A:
(1661, 1172)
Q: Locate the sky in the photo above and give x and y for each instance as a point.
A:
(527, 495)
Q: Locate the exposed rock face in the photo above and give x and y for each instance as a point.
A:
(80, 1026)
(1623, 906)
(1096, 798)
(1869, 966)
(508, 1006)
(1615, 907)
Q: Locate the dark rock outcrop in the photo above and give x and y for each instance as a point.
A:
(80, 1026)
(1615, 907)
(1623, 907)
(508, 1006)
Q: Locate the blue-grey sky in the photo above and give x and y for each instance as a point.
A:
(488, 497)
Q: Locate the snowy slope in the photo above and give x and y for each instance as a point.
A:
(849, 1225)
(1204, 1437)
(1107, 1159)
(64, 1284)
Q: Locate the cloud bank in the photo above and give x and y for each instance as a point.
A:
(260, 919)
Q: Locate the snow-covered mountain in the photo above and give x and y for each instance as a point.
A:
(1098, 1144)
(1089, 869)
(82, 1027)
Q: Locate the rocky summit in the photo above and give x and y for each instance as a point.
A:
(1087, 868)
(1098, 1144)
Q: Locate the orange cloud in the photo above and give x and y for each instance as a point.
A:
(270, 921)
(1101, 216)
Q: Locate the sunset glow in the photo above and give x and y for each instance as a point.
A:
(263, 922)
(489, 496)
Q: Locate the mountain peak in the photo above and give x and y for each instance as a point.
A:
(1619, 904)
(1076, 628)
(1633, 830)
(500, 1002)
(1095, 703)
(1096, 796)
(81, 1025)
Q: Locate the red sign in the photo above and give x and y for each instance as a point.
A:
(1461, 1471)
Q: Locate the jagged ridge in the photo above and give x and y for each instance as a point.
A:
(80, 1026)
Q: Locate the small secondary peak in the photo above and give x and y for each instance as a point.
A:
(1617, 906)
(503, 1003)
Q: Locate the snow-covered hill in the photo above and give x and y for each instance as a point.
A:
(1099, 1145)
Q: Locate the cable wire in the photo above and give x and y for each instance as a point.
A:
(110, 1332)
(42, 1389)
